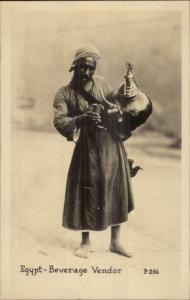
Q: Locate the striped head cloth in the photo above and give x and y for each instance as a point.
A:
(85, 51)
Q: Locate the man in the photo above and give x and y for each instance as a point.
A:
(98, 191)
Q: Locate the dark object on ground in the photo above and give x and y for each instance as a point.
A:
(133, 170)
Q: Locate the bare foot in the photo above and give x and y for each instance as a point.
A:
(116, 248)
(83, 251)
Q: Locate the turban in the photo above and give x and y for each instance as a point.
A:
(85, 51)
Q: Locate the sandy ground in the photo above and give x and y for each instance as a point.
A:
(39, 165)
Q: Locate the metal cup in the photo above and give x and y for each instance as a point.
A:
(95, 107)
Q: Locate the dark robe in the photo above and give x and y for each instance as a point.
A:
(98, 190)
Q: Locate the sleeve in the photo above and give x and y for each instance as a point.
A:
(66, 126)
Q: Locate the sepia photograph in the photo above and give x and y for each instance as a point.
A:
(95, 150)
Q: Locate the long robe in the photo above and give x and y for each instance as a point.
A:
(98, 190)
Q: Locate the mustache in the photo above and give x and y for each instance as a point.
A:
(85, 76)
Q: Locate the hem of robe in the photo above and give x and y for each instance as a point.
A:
(92, 229)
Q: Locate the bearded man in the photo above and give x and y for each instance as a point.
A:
(98, 191)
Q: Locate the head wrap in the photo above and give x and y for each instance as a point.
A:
(85, 51)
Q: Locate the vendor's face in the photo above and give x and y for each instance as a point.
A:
(85, 69)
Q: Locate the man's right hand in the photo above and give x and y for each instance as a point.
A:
(89, 117)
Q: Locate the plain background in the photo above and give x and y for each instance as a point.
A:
(45, 40)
